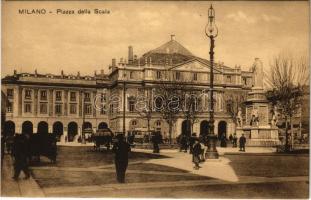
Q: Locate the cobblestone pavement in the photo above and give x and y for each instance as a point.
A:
(253, 175)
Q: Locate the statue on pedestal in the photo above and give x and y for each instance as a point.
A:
(255, 118)
(239, 117)
(274, 116)
(257, 70)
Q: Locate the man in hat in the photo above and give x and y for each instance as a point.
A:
(121, 149)
(196, 152)
(20, 154)
(242, 142)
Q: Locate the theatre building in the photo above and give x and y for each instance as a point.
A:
(64, 104)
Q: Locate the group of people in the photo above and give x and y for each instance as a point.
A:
(195, 145)
(234, 140)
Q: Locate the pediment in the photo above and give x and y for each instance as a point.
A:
(194, 66)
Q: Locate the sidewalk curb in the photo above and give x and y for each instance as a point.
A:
(20, 188)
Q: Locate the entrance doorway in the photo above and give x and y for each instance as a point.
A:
(58, 130)
(204, 128)
(222, 129)
(102, 125)
(9, 128)
(72, 131)
(186, 128)
(27, 128)
(43, 128)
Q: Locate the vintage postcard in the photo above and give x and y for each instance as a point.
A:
(155, 99)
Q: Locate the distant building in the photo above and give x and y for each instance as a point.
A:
(63, 104)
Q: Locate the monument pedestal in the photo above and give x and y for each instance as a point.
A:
(257, 129)
(259, 136)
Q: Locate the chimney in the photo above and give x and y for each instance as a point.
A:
(78, 74)
(36, 73)
(114, 62)
(102, 72)
(95, 74)
(121, 61)
(172, 37)
(15, 72)
(62, 73)
(130, 56)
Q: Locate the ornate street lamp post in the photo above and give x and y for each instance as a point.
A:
(124, 101)
(211, 32)
(83, 119)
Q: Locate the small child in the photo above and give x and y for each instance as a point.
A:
(197, 150)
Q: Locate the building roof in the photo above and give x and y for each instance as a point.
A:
(172, 52)
(171, 47)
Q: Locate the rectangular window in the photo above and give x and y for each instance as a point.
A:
(132, 106)
(10, 93)
(27, 94)
(43, 95)
(10, 107)
(195, 76)
(72, 96)
(228, 79)
(88, 109)
(73, 109)
(27, 108)
(159, 75)
(58, 95)
(58, 109)
(177, 75)
(43, 108)
(87, 97)
(131, 75)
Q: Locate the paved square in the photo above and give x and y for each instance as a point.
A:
(81, 172)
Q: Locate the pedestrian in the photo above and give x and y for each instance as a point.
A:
(155, 141)
(196, 153)
(231, 138)
(191, 142)
(234, 141)
(223, 142)
(183, 143)
(2, 148)
(121, 149)
(202, 156)
(242, 142)
(20, 153)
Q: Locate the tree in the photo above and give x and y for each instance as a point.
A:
(233, 102)
(144, 106)
(288, 76)
(168, 100)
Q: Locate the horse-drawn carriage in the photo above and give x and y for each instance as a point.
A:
(102, 137)
(42, 145)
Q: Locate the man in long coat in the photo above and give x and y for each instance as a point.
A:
(20, 153)
(242, 142)
(121, 149)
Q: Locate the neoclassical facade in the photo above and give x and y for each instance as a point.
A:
(64, 104)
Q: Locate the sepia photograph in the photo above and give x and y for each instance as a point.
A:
(155, 99)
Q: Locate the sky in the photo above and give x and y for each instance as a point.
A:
(54, 42)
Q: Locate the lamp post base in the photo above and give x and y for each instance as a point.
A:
(211, 152)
